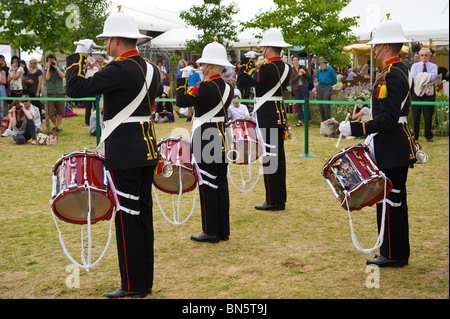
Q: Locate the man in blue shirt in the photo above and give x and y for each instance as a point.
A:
(326, 78)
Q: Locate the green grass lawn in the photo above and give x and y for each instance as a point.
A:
(304, 252)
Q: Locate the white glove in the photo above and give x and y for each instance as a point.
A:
(187, 71)
(345, 128)
(85, 46)
(251, 54)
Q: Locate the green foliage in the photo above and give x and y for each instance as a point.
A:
(53, 25)
(213, 20)
(174, 59)
(349, 93)
(314, 24)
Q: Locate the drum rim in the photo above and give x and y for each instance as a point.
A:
(173, 139)
(340, 154)
(73, 154)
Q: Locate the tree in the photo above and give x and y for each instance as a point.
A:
(50, 25)
(213, 20)
(29, 24)
(314, 24)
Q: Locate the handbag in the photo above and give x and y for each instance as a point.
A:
(53, 139)
(43, 139)
(328, 127)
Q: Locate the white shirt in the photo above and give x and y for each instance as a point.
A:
(235, 113)
(366, 114)
(418, 68)
(16, 84)
(36, 116)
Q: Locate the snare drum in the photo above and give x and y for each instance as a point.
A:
(352, 175)
(177, 153)
(245, 140)
(80, 184)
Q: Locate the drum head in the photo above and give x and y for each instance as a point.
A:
(73, 207)
(171, 184)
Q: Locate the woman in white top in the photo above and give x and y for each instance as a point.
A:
(15, 77)
(361, 113)
(237, 110)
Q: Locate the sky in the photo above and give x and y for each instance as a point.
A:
(247, 10)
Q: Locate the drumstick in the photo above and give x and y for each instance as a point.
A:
(96, 46)
(340, 135)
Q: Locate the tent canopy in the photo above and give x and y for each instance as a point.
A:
(360, 48)
(420, 22)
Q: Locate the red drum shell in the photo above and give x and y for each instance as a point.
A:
(177, 152)
(71, 202)
(352, 170)
(245, 140)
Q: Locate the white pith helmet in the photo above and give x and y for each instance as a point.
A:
(122, 25)
(273, 38)
(388, 31)
(215, 53)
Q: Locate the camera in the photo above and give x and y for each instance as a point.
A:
(18, 107)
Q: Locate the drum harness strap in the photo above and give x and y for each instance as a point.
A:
(124, 116)
(209, 118)
(379, 241)
(269, 97)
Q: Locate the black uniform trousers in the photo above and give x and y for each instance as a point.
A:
(134, 233)
(211, 158)
(215, 203)
(427, 110)
(396, 231)
(274, 167)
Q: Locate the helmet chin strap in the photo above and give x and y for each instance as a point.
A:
(108, 49)
(379, 52)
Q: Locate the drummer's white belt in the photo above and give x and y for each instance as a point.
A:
(124, 115)
(269, 95)
(137, 119)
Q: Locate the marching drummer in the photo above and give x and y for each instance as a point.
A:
(210, 99)
(130, 145)
(270, 81)
(390, 140)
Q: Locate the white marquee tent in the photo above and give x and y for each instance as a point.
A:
(421, 21)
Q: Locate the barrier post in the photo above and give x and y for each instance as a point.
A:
(306, 119)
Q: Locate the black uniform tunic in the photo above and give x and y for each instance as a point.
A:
(209, 145)
(130, 156)
(394, 152)
(270, 115)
